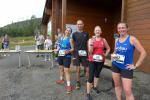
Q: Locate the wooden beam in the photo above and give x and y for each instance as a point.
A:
(54, 19)
(48, 11)
(64, 7)
(124, 11)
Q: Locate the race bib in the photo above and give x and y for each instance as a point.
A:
(97, 58)
(82, 53)
(61, 53)
(120, 58)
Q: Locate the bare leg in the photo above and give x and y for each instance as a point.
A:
(87, 72)
(88, 87)
(61, 71)
(127, 85)
(95, 81)
(117, 83)
(78, 72)
(67, 73)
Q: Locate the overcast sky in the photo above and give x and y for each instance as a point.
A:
(19, 10)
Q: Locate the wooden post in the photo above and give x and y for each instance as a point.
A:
(64, 7)
(124, 11)
(54, 19)
(44, 30)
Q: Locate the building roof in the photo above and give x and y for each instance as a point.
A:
(46, 12)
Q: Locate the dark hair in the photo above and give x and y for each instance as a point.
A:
(70, 29)
(123, 23)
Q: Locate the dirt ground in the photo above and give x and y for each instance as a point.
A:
(38, 82)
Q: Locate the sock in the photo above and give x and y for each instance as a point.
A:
(68, 83)
(61, 77)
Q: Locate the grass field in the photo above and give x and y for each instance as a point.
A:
(22, 41)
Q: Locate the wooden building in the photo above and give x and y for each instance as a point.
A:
(106, 13)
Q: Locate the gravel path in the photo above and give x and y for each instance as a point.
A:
(38, 82)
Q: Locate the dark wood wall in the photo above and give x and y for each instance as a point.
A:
(138, 18)
(93, 14)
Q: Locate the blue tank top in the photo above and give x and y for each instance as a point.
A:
(125, 52)
(65, 45)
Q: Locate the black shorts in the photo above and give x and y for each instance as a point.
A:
(125, 73)
(80, 60)
(64, 61)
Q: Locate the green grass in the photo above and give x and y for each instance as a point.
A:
(22, 41)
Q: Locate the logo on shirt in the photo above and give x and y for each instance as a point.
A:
(121, 49)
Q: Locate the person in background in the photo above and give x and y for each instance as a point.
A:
(48, 46)
(96, 46)
(122, 61)
(39, 38)
(5, 42)
(58, 36)
(40, 41)
(64, 59)
(2, 43)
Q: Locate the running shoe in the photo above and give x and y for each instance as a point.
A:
(96, 90)
(60, 81)
(69, 89)
(78, 85)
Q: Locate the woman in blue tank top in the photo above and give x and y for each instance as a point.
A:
(122, 61)
(64, 59)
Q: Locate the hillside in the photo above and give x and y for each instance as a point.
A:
(22, 28)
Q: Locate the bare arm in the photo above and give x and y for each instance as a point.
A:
(140, 48)
(72, 45)
(107, 47)
(90, 46)
(112, 55)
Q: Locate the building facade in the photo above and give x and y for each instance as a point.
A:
(106, 13)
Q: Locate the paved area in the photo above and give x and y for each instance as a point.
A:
(38, 82)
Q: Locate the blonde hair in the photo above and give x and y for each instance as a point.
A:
(123, 23)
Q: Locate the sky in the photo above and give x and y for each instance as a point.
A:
(19, 10)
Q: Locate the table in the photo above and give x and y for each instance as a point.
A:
(12, 52)
(39, 52)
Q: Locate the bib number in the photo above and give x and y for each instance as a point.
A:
(97, 58)
(82, 53)
(61, 53)
(120, 58)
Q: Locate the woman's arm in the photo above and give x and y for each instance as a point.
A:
(72, 45)
(140, 48)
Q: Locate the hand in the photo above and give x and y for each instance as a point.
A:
(130, 66)
(113, 56)
(55, 51)
(93, 39)
(67, 52)
(104, 54)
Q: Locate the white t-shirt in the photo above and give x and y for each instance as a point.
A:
(40, 40)
(48, 44)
